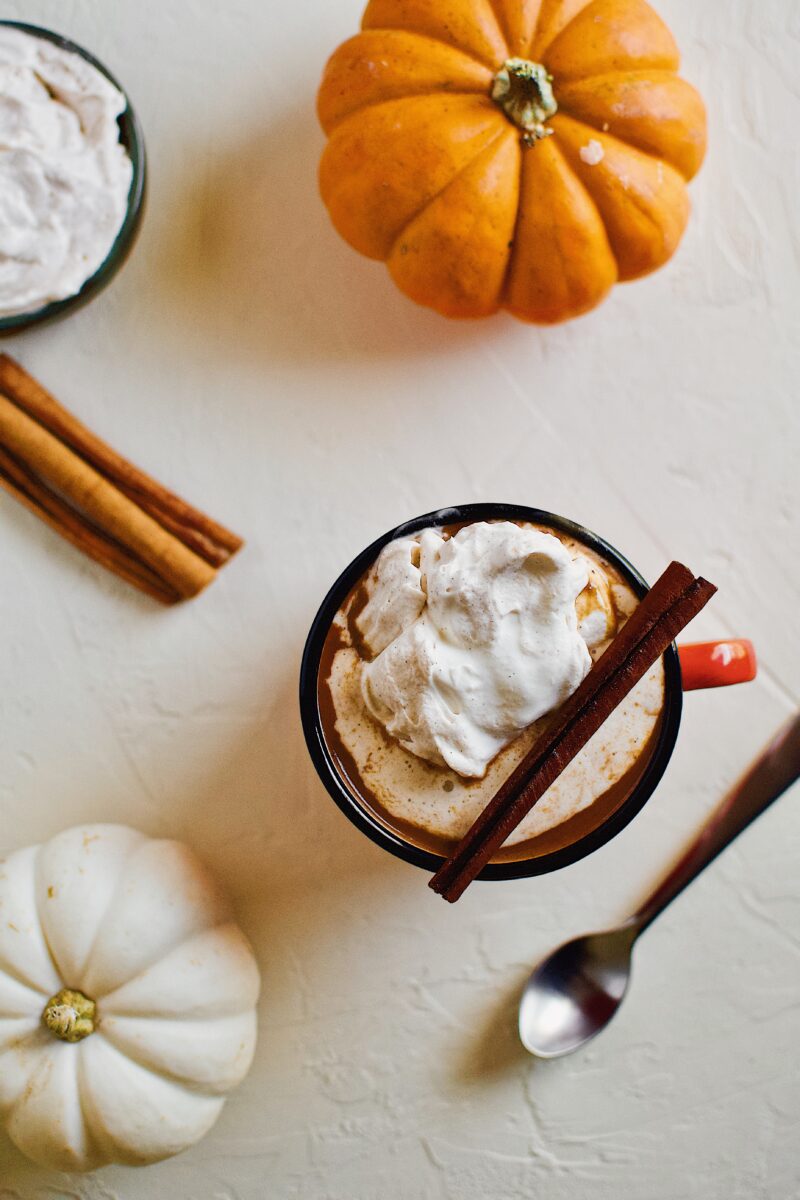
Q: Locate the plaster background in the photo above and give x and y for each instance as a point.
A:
(251, 360)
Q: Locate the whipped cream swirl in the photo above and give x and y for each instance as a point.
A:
(64, 176)
(474, 638)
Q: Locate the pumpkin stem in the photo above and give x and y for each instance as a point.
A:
(70, 1016)
(523, 91)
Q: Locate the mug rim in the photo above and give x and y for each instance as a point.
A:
(132, 138)
(367, 822)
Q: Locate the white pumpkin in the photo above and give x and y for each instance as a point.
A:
(127, 999)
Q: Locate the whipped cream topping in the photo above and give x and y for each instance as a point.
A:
(475, 638)
(64, 176)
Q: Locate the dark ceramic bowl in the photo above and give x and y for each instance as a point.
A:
(362, 817)
(130, 135)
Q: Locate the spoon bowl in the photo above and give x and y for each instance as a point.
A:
(573, 994)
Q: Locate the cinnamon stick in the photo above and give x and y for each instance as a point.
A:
(39, 500)
(674, 600)
(98, 501)
(209, 539)
(667, 589)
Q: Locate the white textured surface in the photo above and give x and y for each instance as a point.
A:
(258, 365)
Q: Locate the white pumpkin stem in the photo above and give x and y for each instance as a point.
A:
(70, 1016)
(523, 91)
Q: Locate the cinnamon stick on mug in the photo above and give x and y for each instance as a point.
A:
(99, 501)
(667, 608)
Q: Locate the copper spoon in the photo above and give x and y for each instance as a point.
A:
(573, 994)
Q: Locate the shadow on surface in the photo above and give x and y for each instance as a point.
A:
(495, 1048)
(255, 265)
(262, 819)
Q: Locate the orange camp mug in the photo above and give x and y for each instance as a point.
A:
(686, 668)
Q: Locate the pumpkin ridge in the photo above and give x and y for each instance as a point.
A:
(660, 76)
(474, 286)
(196, 1087)
(32, 1036)
(384, 131)
(612, 137)
(483, 62)
(537, 46)
(221, 926)
(39, 1075)
(67, 977)
(595, 127)
(519, 40)
(502, 24)
(370, 105)
(16, 977)
(37, 872)
(568, 165)
(122, 1014)
(24, 873)
(109, 909)
(556, 238)
(25, 1043)
(631, 196)
(554, 147)
(105, 1148)
(414, 48)
(34, 1043)
(437, 194)
(98, 1151)
(512, 248)
(109, 1147)
(643, 75)
(663, 56)
(634, 199)
(147, 967)
(179, 937)
(167, 1076)
(452, 45)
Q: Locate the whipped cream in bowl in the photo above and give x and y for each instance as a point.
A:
(439, 657)
(72, 175)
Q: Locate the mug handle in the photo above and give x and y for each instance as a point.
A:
(717, 664)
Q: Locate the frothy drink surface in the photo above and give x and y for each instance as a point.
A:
(432, 804)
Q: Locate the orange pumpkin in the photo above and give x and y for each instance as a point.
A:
(519, 154)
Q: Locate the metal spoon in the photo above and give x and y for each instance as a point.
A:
(572, 995)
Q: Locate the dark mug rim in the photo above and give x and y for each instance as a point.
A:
(360, 815)
(132, 138)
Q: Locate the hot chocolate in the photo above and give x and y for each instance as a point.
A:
(446, 661)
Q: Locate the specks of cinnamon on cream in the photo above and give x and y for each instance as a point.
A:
(475, 638)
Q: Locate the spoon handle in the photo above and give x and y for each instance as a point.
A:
(776, 769)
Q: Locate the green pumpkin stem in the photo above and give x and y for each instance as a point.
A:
(523, 91)
(70, 1016)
